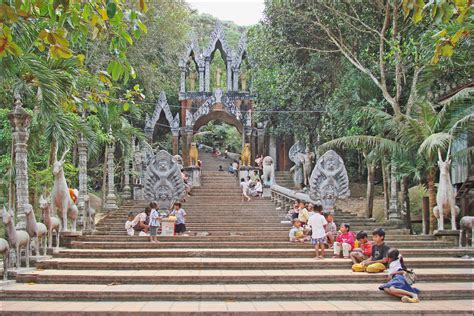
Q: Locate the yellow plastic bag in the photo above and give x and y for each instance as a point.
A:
(357, 267)
(376, 268)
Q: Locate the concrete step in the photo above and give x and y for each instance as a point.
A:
(225, 232)
(267, 264)
(158, 252)
(227, 244)
(182, 292)
(211, 238)
(335, 307)
(178, 276)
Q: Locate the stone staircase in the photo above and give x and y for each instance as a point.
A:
(236, 260)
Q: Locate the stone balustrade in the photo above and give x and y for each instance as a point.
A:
(284, 197)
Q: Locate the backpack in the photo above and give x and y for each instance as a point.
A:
(410, 276)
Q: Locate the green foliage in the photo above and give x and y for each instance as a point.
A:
(220, 135)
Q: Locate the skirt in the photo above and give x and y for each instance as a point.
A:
(399, 282)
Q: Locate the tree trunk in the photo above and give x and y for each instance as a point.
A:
(386, 193)
(370, 190)
(406, 202)
(104, 179)
(52, 152)
(432, 199)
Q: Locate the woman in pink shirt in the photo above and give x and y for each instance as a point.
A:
(344, 242)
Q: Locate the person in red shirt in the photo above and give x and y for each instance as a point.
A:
(365, 248)
(344, 242)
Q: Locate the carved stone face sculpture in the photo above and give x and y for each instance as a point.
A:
(329, 180)
(328, 195)
(331, 163)
(162, 181)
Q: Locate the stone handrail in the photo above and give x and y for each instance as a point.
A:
(285, 197)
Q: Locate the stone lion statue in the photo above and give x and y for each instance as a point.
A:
(268, 171)
(193, 154)
(245, 157)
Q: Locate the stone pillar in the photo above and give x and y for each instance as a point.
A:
(235, 79)
(111, 199)
(201, 79)
(272, 149)
(137, 168)
(182, 80)
(82, 150)
(194, 174)
(127, 191)
(187, 140)
(20, 121)
(261, 141)
(207, 75)
(229, 74)
(175, 140)
(253, 145)
(394, 213)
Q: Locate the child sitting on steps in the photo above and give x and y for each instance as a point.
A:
(296, 232)
(397, 285)
(376, 263)
(344, 241)
(364, 251)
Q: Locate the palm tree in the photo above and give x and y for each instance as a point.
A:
(416, 138)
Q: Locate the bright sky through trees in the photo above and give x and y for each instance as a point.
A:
(242, 12)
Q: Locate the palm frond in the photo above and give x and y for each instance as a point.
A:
(434, 142)
(362, 142)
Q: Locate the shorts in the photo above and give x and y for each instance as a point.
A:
(399, 282)
(180, 228)
(321, 240)
(153, 230)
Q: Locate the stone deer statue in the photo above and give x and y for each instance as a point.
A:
(51, 222)
(36, 230)
(5, 251)
(89, 220)
(60, 195)
(18, 239)
(445, 199)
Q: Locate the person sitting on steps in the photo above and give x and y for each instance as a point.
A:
(257, 190)
(344, 241)
(397, 285)
(140, 222)
(379, 259)
(303, 215)
(364, 251)
(331, 229)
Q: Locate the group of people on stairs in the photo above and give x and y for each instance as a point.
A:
(148, 222)
(311, 224)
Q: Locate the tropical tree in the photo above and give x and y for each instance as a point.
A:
(417, 138)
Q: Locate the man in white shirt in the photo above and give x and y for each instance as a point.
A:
(318, 239)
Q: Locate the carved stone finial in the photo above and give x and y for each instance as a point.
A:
(163, 181)
(329, 180)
